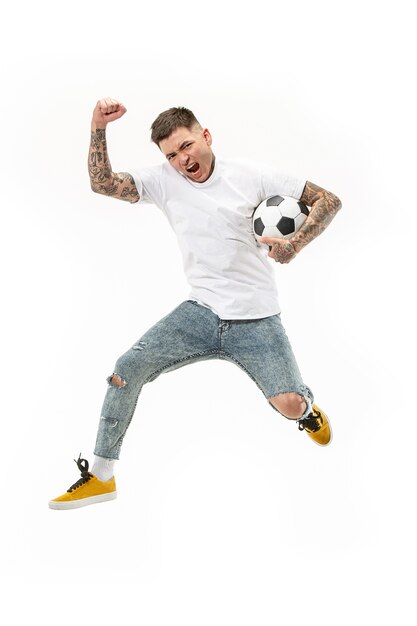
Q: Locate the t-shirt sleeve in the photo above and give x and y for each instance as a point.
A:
(148, 185)
(275, 182)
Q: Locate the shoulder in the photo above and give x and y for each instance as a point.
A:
(155, 171)
(240, 164)
(240, 168)
(252, 168)
(151, 174)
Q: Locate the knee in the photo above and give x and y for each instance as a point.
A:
(290, 404)
(116, 381)
(121, 372)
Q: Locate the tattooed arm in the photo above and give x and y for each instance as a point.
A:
(324, 206)
(102, 179)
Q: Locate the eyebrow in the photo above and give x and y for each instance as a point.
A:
(180, 148)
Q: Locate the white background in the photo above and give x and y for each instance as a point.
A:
(226, 514)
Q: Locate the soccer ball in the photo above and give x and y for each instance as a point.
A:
(279, 216)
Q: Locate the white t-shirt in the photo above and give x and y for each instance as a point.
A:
(227, 269)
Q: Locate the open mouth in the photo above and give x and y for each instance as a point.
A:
(192, 169)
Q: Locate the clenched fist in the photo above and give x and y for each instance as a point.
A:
(107, 110)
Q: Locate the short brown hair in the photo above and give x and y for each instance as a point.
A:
(170, 120)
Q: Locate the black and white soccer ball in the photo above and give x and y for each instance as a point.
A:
(279, 216)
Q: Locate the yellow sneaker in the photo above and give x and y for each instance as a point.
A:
(317, 426)
(87, 490)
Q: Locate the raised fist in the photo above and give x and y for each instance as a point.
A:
(107, 110)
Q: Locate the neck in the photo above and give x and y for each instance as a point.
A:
(212, 166)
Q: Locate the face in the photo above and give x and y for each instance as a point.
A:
(189, 152)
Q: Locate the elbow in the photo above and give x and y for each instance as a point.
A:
(95, 188)
(99, 183)
(336, 202)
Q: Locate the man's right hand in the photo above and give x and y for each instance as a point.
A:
(103, 180)
(107, 110)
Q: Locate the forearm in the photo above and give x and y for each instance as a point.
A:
(324, 206)
(99, 168)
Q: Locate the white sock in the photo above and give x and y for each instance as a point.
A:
(102, 468)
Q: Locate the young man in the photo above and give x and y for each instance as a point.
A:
(232, 312)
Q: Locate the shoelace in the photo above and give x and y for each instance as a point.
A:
(82, 465)
(312, 422)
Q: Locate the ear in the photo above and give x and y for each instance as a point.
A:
(207, 136)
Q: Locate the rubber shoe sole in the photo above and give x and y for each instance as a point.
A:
(76, 504)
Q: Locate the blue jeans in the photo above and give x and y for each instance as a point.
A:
(190, 333)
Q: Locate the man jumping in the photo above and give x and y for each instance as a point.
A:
(232, 312)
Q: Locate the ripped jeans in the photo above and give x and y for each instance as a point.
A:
(190, 333)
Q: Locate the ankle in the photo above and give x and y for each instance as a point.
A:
(103, 468)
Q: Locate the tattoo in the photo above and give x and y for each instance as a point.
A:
(324, 206)
(102, 179)
(282, 251)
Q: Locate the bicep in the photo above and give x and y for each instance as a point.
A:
(123, 187)
(312, 193)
